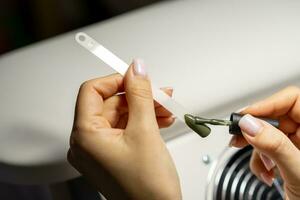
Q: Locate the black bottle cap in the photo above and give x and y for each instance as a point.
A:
(235, 118)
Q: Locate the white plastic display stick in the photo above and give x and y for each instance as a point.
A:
(121, 67)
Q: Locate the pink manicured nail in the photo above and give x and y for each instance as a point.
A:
(166, 88)
(250, 125)
(169, 89)
(139, 67)
(269, 164)
(267, 179)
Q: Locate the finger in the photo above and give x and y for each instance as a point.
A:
(164, 122)
(139, 95)
(121, 104)
(259, 170)
(287, 125)
(162, 112)
(295, 138)
(278, 104)
(238, 141)
(114, 107)
(122, 123)
(272, 143)
(92, 93)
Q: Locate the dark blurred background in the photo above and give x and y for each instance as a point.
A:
(26, 21)
(23, 22)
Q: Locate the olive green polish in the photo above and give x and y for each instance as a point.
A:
(217, 122)
(200, 129)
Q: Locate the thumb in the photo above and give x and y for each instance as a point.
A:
(274, 144)
(139, 94)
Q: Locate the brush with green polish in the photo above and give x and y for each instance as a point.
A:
(200, 128)
(199, 124)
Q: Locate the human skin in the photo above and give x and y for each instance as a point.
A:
(274, 148)
(115, 142)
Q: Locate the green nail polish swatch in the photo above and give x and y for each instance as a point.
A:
(200, 129)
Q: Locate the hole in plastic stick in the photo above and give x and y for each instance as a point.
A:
(81, 38)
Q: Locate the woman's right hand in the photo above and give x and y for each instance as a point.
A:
(274, 147)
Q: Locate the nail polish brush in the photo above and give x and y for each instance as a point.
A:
(199, 124)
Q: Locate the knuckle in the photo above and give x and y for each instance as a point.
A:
(274, 144)
(80, 132)
(141, 90)
(81, 126)
(78, 136)
(86, 126)
(293, 190)
(85, 85)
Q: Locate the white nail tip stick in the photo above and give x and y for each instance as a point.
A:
(121, 67)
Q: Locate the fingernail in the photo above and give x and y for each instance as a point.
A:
(169, 89)
(250, 125)
(269, 164)
(232, 141)
(166, 88)
(267, 179)
(174, 117)
(139, 67)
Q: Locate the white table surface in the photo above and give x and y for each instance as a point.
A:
(218, 56)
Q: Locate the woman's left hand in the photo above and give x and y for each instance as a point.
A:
(116, 143)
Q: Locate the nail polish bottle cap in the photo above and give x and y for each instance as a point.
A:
(234, 127)
(235, 118)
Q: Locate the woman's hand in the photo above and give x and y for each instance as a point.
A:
(115, 141)
(273, 147)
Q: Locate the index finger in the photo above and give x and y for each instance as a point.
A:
(284, 102)
(93, 92)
